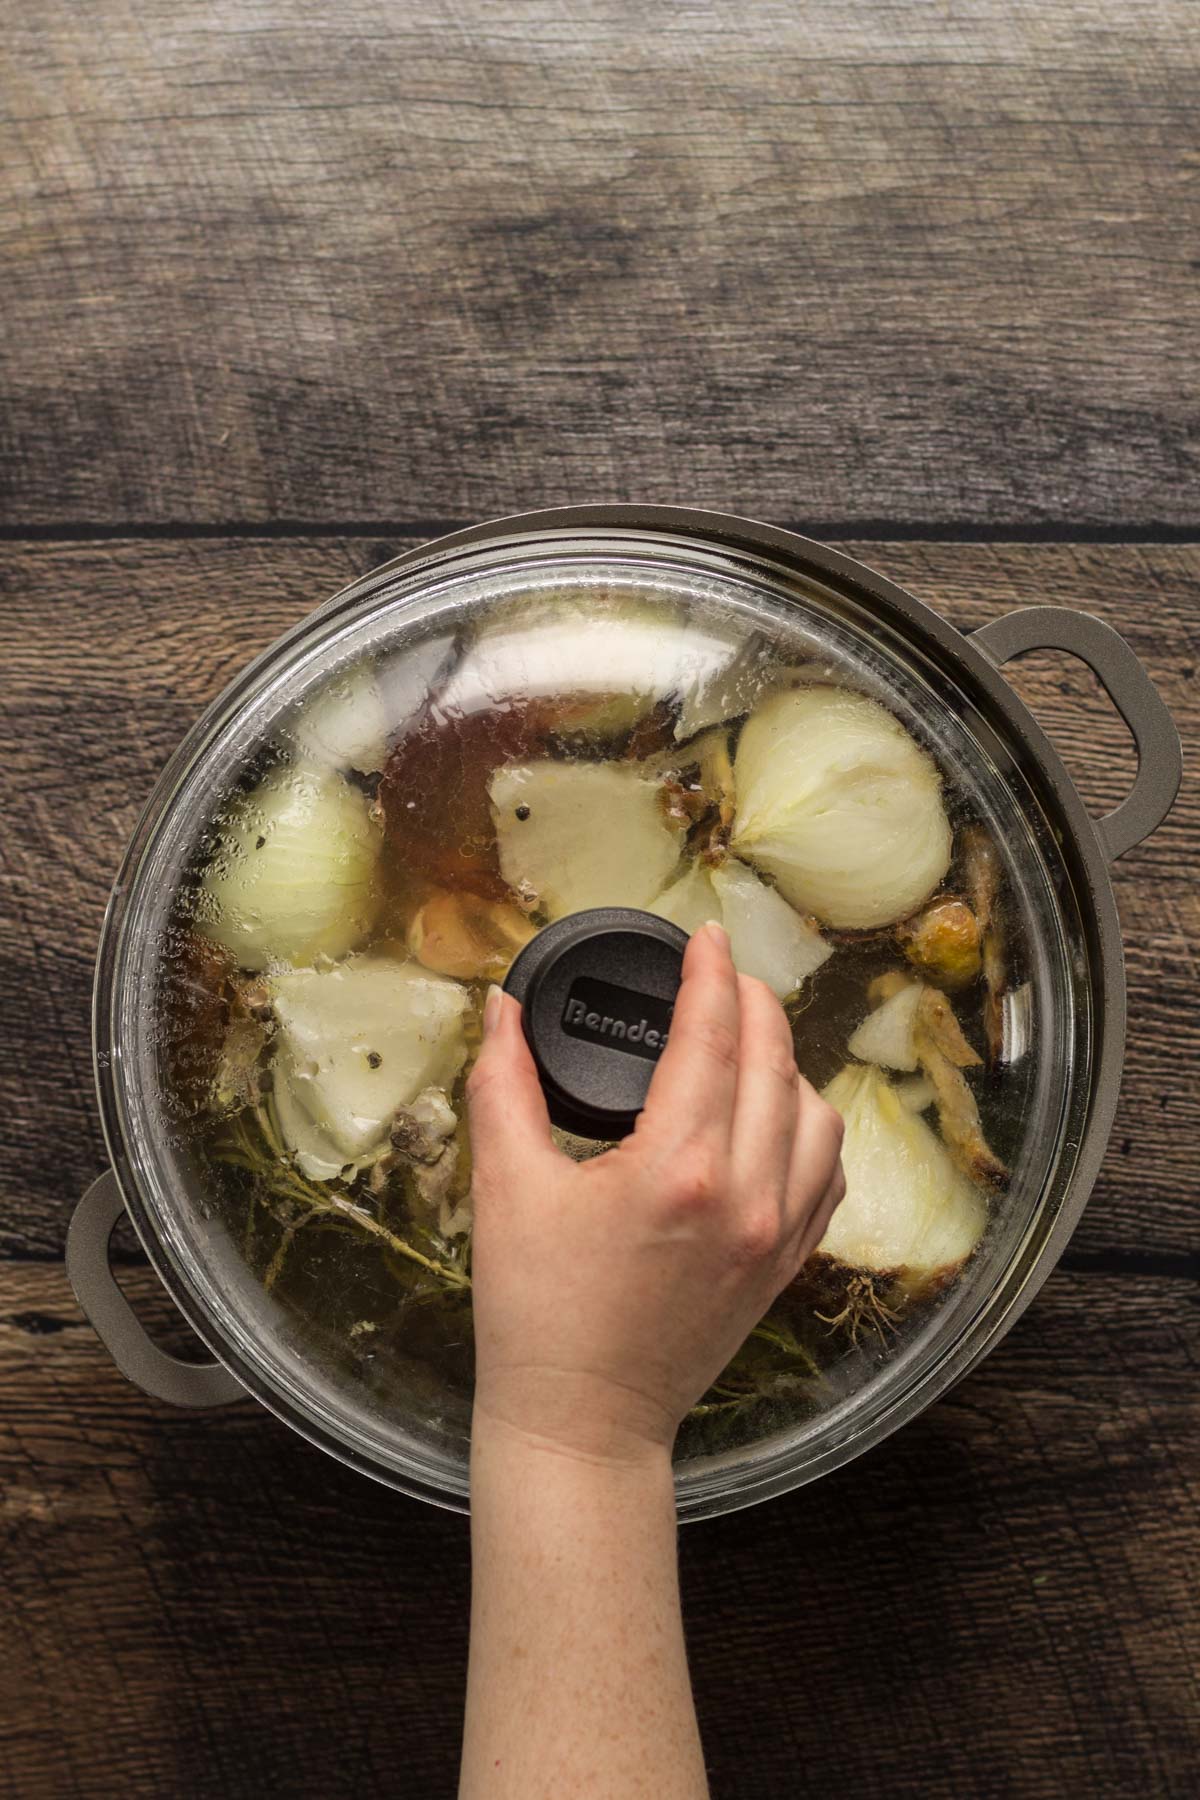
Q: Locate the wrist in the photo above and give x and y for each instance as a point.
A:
(542, 1494)
(580, 1436)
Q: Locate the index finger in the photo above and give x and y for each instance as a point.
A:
(507, 1116)
(692, 1090)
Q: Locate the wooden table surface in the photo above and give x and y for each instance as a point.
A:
(290, 286)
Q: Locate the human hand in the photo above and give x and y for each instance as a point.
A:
(609, 1294)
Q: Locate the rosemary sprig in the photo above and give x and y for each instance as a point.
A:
(751, 1376)
(249, 1141)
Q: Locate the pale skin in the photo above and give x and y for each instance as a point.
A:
(608, 1295)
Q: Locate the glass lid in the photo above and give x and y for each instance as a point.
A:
(451, 757)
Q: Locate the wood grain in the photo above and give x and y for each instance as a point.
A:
(285, 286)
(275, 261)
(999, 1601)
(996, 1602)
(112, 650)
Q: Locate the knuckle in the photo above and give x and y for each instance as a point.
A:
(780, 1062)
(756, 1237)
(698, 1181)
(835, 1125)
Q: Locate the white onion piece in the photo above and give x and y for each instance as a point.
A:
(356, 1043)
(887, 1035)
(767, 938)
(293, 874)
(623, 654)
(908, 1209)
(838, 803)
(726, 690)
(689, 902)
(573, 835)
(343, 725)
(316, 1153)
(353, 717)
(409, 676)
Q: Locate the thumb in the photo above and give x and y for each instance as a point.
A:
(507, 1110)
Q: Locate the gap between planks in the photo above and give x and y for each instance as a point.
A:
(867, 530)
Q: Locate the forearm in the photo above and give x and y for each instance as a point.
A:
(578, 1680)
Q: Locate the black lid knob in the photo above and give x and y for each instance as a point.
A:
(597, 991)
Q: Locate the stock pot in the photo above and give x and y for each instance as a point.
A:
(386, 1392)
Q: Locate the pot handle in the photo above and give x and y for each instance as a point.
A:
(116, 1324)
(1125, 681)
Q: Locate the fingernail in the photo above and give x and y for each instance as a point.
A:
(718, 931)
(491, 1010)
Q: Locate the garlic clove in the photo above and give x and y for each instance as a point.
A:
(458, 933)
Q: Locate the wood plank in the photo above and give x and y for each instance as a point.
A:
(883, 260)
(999, 1601)
(112, 650)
